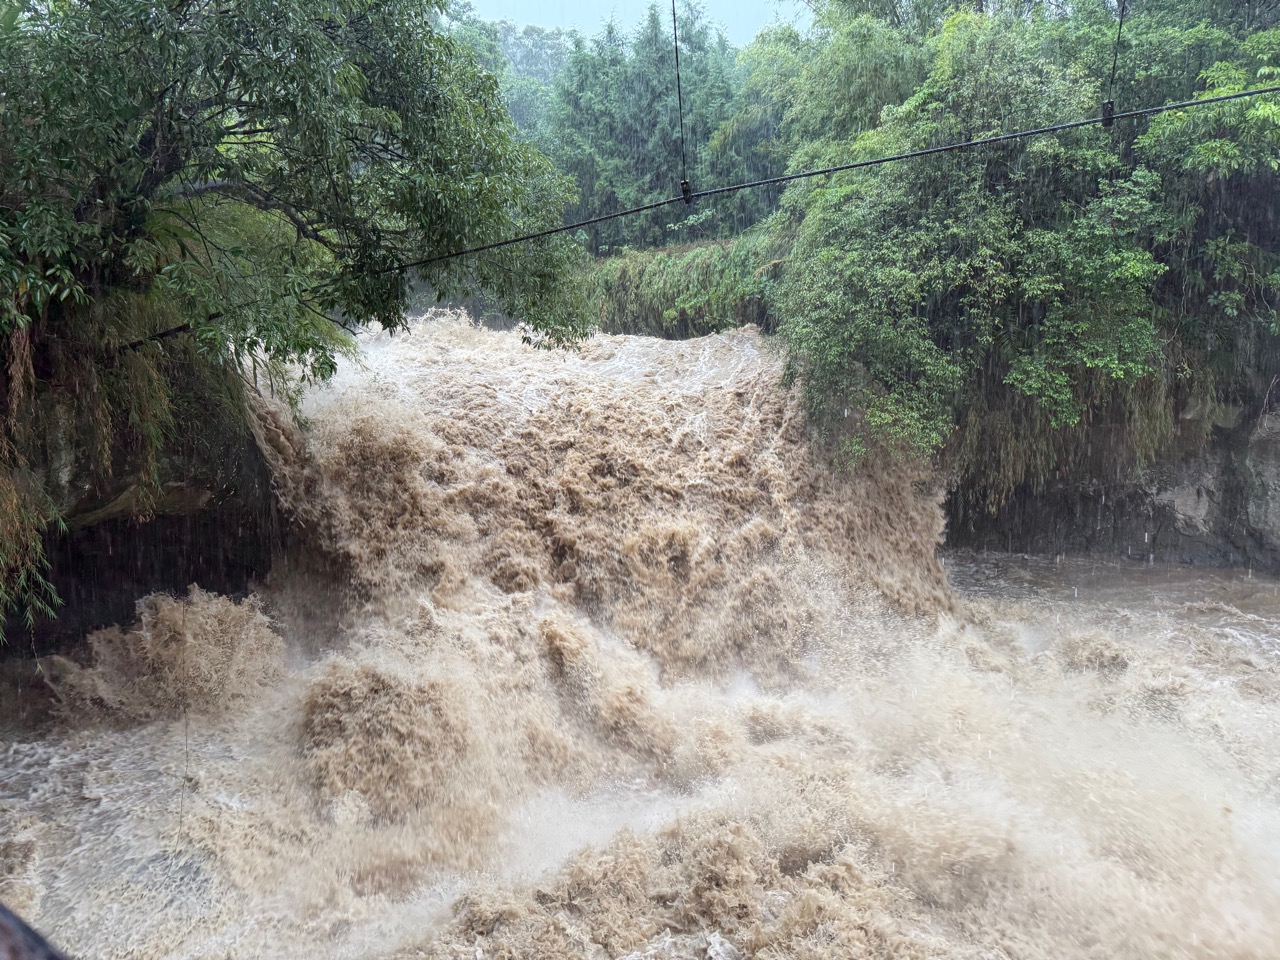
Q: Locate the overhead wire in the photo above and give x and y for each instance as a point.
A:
(1109, 105)
(1107, 118)
(843, 167)
(685, 191)
(1115, 50)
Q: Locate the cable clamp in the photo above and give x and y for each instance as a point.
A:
(1108, 113)
(686, 191)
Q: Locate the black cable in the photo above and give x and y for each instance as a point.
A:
(1115, 51)
(987, 141)
(858, 165)
(684, 173)
(1109, 104)
(538, 236)
(928, 151)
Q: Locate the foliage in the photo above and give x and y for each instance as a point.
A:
(1219, 171)
(615, 124)
(1067, 271)
(687, 291)
(525, 59)
(235, 183)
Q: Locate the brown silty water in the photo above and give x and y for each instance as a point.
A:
(590, 656)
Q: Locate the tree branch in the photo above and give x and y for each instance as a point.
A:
(258, 197)
(188, 190)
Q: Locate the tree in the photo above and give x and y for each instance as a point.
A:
(243, 180)
(1054, 306)
(1060, 299)
(615, 124)
(526, 60)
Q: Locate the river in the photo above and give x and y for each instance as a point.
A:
(588, 655)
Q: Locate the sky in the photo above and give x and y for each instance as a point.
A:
(741, 19)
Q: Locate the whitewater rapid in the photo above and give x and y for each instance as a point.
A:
(589, 655)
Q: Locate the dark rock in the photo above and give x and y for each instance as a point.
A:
(213, 521)
(1217, 506)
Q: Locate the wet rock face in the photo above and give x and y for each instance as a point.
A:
(1261, 475)
(1191, 492)
(1219, 506)
(213, 523)
(1224, 504)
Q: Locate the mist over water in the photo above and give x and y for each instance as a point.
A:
(588, 655)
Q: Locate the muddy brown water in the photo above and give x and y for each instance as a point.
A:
(606, 664)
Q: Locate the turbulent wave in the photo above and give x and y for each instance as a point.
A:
(588, 655)
(200, 654)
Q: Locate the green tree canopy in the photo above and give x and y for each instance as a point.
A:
(526, 59)
(1062, 298)
(615, 124)
(140, 139)
(241, 180)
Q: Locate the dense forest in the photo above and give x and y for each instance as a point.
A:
(1046, 305)
(198, 196)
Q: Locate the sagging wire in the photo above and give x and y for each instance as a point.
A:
(1105, 120)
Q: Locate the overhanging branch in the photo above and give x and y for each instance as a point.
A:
(258, 197)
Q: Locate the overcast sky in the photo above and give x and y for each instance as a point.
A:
(741, 19)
